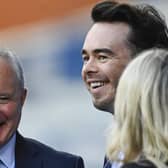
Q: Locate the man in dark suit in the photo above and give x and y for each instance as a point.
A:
(118, 33)
(30, 153)
(15, 150)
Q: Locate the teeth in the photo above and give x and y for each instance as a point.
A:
(96, 84)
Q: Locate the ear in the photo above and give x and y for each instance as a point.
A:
(23, 96)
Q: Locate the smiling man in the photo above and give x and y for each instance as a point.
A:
(105, 55)
(118, 33)
(17, 151)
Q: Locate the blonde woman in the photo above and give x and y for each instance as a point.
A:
(140, 133)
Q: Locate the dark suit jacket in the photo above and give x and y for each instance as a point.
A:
(107, 163)
(33, 154)
(139, 164)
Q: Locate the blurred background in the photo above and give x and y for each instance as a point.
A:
(47, 35)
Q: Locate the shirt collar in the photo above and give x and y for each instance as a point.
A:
(7, 152)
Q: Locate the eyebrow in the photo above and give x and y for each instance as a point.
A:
(101, 50)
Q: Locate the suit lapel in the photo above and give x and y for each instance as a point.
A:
(25, 155)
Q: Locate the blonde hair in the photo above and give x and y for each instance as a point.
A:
(141, 110)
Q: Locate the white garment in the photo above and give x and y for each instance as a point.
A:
(115, 164)
(118, 164)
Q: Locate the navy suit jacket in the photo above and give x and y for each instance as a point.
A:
(33, 154)
(106, 164)
(139, 164)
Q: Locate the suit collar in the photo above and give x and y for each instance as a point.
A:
(25, 155)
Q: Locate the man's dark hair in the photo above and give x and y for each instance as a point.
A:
(148, 25)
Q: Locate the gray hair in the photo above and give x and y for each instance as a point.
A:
(13, 60)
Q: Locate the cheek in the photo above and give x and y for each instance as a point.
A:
(115, 71)
(9, 110)
(83, 74)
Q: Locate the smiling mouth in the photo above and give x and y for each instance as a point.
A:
(97, 84)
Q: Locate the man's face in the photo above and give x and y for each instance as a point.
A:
(105, 55)
(11, 102)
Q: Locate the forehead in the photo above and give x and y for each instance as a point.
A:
(106, 35)
(6, 69)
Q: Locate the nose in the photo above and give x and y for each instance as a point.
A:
(90, 66)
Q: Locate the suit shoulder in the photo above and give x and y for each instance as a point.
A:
(47, 149)
(50, 154)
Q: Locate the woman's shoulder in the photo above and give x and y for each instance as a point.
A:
(140, 164)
